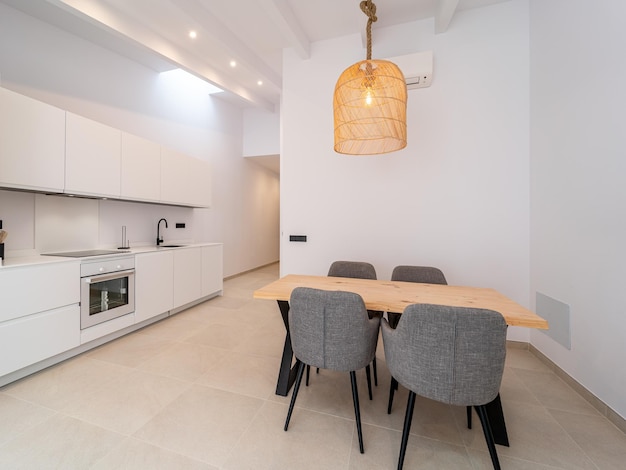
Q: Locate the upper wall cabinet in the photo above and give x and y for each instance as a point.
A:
(184, 180)
(141, 169)
(92, 157)
(43, 148)
(32, 143)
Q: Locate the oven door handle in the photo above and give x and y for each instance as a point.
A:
(107, 277)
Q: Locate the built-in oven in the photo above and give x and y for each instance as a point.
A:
(107, 289)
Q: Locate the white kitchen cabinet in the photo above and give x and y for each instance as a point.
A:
(40, 314)
(31, 289)
(43, 148)
(154, 284)
(212, 271)
(33, 338)
(184, 180)
(32, 143)
(141, 169)
(92, 157)
(187, 275)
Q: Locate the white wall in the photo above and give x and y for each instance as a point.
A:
(261, 132)
(41, 61)
(457, 197)
(578, 200)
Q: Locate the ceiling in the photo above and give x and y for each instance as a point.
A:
(252, 33)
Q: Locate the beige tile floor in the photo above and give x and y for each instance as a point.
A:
(196, 391)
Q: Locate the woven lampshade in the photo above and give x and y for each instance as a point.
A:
(369, 108)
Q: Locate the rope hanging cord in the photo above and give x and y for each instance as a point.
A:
(369, 8)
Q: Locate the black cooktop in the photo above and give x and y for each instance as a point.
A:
(86, 253)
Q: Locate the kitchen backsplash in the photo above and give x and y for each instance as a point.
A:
(42, 223)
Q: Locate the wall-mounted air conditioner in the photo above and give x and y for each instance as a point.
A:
(417, 68)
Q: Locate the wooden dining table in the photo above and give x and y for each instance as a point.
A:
(395, 296)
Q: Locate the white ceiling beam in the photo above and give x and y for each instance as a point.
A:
(290, 28)
(229, 40)
(100, 14)
(444, 13)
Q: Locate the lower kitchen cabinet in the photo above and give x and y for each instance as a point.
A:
(27, 340)
(49, 286)
(42, 322)
(35, 328)
(212, 270)
(187, 275)
(154, 284)
(168, 279)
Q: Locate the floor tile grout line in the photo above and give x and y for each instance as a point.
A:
(550, 373)
(243, 433)
(591, 459)
(547, 409)
(30, 428)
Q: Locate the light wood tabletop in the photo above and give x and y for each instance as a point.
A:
(394, 296)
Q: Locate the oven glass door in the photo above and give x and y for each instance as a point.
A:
(106, 296)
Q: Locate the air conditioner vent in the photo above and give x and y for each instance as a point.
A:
(417, 68)
(421, 81)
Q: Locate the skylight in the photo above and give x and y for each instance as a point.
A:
(184, 80)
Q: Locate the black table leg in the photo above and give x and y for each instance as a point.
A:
(287, 373)
(496, 420)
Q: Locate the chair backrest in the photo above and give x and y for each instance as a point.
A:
(425, 274)
(353, 269)
(450, 354)
(331, 329)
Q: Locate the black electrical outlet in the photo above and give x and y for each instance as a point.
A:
(297, 238)
(179, 225)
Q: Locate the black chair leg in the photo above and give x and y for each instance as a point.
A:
(491, 445)
(357, 409)
(296, 387)
(408, 417)
(369, 380)
(375, 372)
(392, 388)
(308, 371)
(469, 417)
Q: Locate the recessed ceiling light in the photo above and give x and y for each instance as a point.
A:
(193, 34)
(260, 82)
(233, 63)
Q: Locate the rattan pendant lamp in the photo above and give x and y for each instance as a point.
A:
(369, 103)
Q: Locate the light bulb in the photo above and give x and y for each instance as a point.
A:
(369, 96)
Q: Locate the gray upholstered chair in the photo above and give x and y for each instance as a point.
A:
(421, 274)
(425, 274)
(331, 330)
(352, 269)
(454, 355)
(357, 270)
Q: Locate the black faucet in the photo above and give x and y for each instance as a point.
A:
(159, 237)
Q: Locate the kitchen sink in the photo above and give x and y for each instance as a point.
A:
(169, 246)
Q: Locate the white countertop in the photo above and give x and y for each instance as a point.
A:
(34, 259)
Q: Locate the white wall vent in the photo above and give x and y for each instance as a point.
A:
(417, 68)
